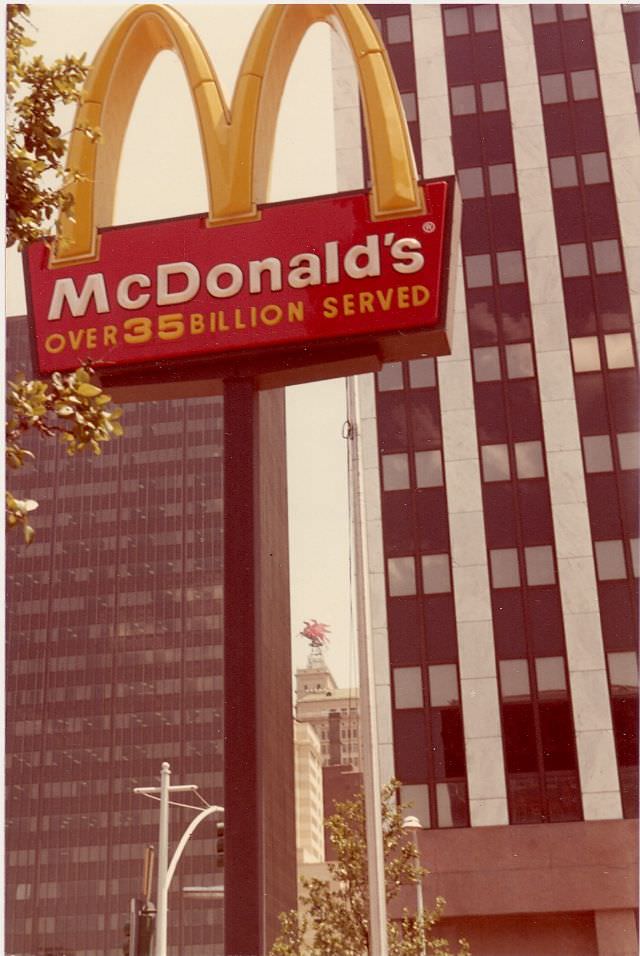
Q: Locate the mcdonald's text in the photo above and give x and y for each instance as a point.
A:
(310, 272)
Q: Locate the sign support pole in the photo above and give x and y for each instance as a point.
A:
(258, 730)
(242, 871)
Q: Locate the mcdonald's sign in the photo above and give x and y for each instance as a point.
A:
(280, 292)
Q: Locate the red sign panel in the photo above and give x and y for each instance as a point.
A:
(311, 274)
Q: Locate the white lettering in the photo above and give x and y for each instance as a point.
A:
(65, 291)
(304, 270)
(371, 254)
(138, 301)
(332, 269)
(189, 271)
(271, 265)
(413, 261)
(224, 268)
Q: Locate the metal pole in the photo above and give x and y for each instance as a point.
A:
(413, 824)
(378, 939)
(163, 862)
(419, 894)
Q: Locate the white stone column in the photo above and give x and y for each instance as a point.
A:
(349, 167)
(621, 122)
(478, 682)
(433, 98)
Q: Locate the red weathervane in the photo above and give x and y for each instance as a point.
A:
(316, 633)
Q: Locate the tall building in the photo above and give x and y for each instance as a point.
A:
(502, 480)
(320, 702)
(309, 800)
(115, 663)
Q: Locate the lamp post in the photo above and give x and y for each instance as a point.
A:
(412, 824)
(166, 869)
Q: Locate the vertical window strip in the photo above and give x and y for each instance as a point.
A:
(511, 365)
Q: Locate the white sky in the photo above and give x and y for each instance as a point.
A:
(162, 175)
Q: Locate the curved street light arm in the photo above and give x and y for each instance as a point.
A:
(184, 839)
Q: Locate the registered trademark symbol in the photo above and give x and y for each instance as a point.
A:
(428, 226)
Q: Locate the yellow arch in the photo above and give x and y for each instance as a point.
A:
(237, 144)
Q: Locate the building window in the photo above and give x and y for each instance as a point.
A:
(422, 373)
(510, 267)
(529, 459)
(514, 678)
(606, 256)
(505, 572)
(410, 105)
(554, 88)
(539, 563)
(629, 450)
(595, 168)
(486, 364)
(584, 85)
(586, 354)
(623, 680)
(597, 453)
(573, 11)
(501, 179)
(402, 576)
(550, 675)
(619, 350)
(495, 462)
(436, 574)
(390, 377)
(456, 22)
(610, 562)
(543, 12)
(395, 472)
(519, 360)
(463, 100)
(399, 29)
(478, 270)
(416, 796)
(564, 172)
(407, 686)
(574, 260)
(623, 669)
(633, 546)
(443, 685)
(428, 469)
(493, 96)
(471, 182)
(485, 17)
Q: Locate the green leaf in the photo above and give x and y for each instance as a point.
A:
(87, 390)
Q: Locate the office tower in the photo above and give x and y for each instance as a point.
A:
(507, 475)
(309, 802)
(114, 665)
(317, 698)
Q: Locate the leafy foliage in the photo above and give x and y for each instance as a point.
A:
(35, 144)
(333, 916)
(69, 406)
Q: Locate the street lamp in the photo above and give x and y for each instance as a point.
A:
(412, 824)
(166, 869)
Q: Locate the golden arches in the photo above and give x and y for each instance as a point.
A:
(237, 144)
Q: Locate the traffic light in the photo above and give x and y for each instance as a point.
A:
(146, 922)
(138, 932)
(220, 845)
